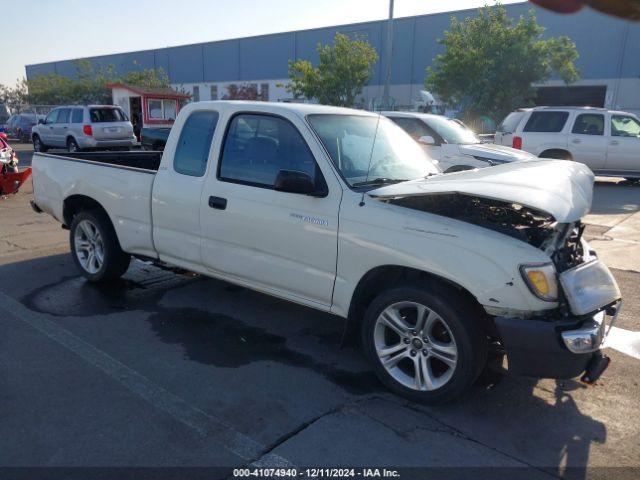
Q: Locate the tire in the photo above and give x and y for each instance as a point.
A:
(38, 146)
(72, 145)
(24, 138)
(453, 333)
(104, 245)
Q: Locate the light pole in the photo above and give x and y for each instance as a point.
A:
(386, 101)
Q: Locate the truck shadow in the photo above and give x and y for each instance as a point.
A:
(536, 423)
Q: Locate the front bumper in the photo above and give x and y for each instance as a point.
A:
(556, 347)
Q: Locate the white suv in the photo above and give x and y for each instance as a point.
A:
(606, 141)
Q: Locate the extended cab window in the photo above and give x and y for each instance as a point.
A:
(623, 126)
(546, 122)
(589, 124)
(194, 143)
(257, 147)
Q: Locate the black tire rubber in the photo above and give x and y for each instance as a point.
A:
(116, 262)
(463, 320)
(43, 147)
(72, 141)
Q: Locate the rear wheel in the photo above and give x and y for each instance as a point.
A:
(426, 346)
(38, 146)
(95, 247)
(72, 145)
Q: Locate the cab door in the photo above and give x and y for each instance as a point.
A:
(280, 242)
(624, 144)
(587, 141)
(177, 190)
(45, 130)
(61, 128)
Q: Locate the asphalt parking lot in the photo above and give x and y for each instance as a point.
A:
(162, 369)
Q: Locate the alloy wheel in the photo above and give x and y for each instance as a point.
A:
(89, 246)
(415, 346)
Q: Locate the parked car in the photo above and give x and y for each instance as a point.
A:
(11, 178)
(607, 141)
(454, 145)
(340, 210)
(154, 138)
(19, 126)
(92, 127)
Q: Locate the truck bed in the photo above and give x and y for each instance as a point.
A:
(134, 159)
(121, 182)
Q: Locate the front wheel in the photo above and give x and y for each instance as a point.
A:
(426, 346)
(95, 247)
(38, 146)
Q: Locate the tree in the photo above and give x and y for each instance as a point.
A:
(243, 92)
(490, 62)
(343, 70)
(89, 84)
(14, 97)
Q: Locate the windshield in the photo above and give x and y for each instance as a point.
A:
(451, 131)
(371, 150)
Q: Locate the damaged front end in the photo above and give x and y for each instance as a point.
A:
(562, 342)
(523, 223)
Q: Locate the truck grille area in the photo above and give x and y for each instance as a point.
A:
(571, 253)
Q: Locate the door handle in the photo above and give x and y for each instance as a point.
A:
(576, 140)
(614, 142)
(218, 203)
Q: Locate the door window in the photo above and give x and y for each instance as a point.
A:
(77, 115)
(52, 117)
(546, 122)
(194, 143)
(589, 124)
(257, 147)
(624, 126)
(63, 115)
(416, 128)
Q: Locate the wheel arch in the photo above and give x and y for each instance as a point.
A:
(384, 277)
(77, 203)
(556, 153)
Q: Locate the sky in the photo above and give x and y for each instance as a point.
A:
(37, 31)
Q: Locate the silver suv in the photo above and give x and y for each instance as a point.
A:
(95, 127)
(607, 141)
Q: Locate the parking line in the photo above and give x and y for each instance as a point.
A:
(625, 341)
(203, 423)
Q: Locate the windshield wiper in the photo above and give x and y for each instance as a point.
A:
(379, 181)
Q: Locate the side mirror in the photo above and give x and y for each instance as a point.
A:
(41, 121)
(292, 181)
(427, 140)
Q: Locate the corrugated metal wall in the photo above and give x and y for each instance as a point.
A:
(609, 48)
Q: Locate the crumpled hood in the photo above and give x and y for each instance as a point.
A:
(496, 152)
(560, 188)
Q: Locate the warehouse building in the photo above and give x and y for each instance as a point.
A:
(609, 60)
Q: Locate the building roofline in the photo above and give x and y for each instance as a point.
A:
(341, 26)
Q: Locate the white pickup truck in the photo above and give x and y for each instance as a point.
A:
(340, 210)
